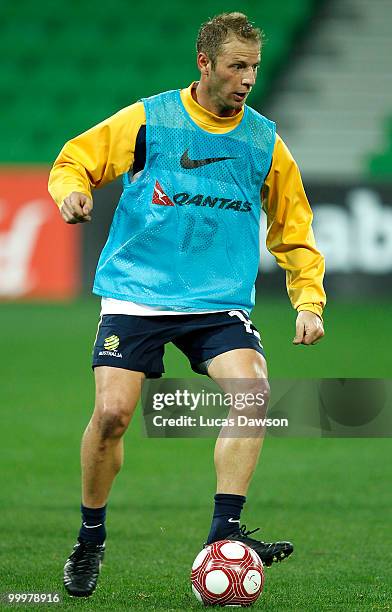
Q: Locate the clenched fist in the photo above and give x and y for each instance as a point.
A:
(309, 328)
(76, 208)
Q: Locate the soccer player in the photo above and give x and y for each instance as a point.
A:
(180, 263)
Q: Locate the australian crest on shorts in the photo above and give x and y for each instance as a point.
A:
(185, 234)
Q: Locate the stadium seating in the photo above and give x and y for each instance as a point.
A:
(332, 102)
(68, 65)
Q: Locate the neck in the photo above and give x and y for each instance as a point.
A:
(201, 96)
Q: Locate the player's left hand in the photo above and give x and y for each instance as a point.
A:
(308, 328)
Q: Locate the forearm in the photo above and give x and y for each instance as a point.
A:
(305, 268)
(66, 177)
(304, 278)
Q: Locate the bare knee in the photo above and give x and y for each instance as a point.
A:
(112, 417)
(251, 397)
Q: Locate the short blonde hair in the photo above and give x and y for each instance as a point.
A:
(213, 33)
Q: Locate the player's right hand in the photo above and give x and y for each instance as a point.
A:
(76, 208)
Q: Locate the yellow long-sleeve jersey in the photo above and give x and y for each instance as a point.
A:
(107, 150)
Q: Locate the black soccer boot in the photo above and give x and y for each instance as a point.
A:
(82, 568)
(267, 551)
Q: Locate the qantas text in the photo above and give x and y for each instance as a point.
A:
(184, 199)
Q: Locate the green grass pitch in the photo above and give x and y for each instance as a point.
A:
(331, 497)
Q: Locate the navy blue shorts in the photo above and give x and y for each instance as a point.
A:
(138, 343)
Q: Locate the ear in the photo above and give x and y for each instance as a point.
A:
(203, 64)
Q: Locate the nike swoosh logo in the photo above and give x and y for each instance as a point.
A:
(191, 164)
(92, 526)
(231, 520)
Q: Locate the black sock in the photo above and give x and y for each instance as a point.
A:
(226, 518)
(93, 524)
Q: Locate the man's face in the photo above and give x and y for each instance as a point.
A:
(233, 76)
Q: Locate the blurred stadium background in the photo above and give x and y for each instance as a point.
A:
(326, 81)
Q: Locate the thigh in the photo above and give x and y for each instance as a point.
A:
(238, 363)
(222, 334)
(131, 343)
(117, 390)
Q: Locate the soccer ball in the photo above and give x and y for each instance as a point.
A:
(227, 573)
